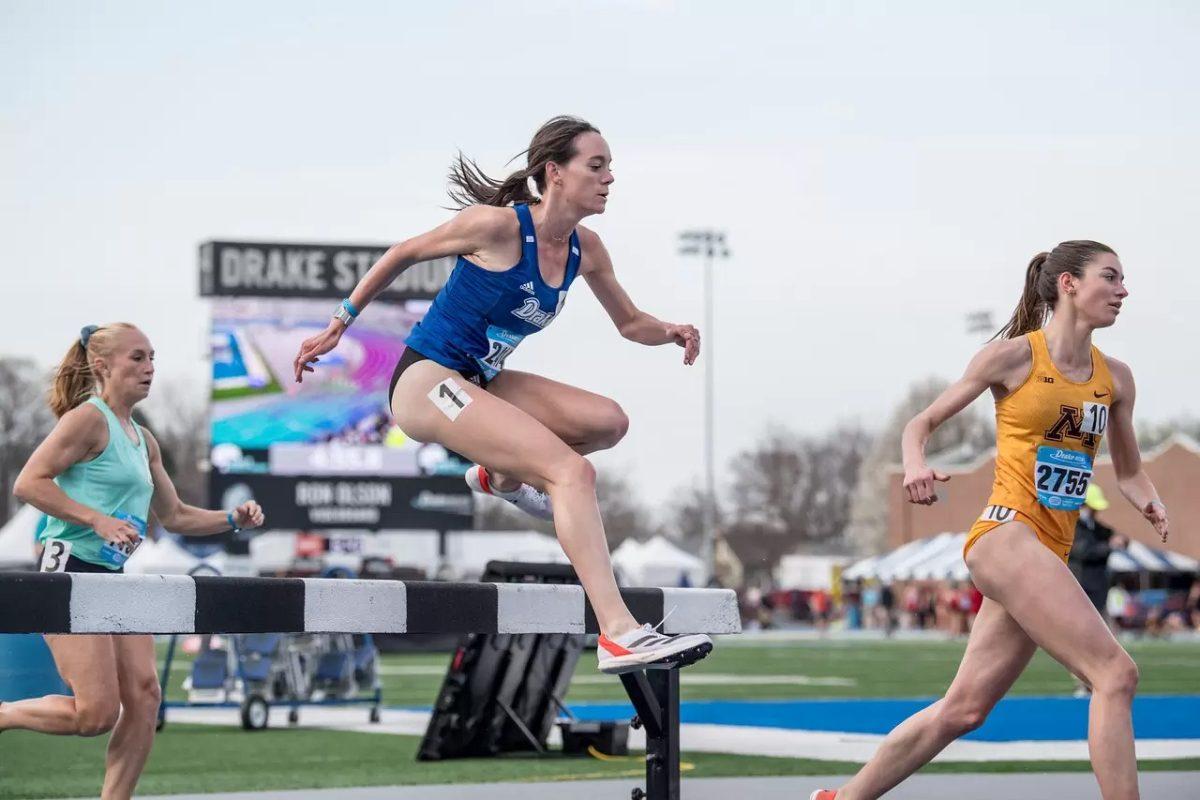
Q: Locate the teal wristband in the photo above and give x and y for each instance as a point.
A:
(232, 524)
(350, 309)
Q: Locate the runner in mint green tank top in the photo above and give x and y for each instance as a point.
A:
(97, 476)
(117, 483)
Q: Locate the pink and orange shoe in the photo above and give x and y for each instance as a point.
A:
(525, 497)
(823, 794)
(646, 648)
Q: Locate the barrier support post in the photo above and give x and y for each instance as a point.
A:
(655, 696)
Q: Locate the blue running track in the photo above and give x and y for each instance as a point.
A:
(1013, 719)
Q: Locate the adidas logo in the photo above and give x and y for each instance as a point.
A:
(528, 287)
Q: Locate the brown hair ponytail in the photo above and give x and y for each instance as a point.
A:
(1041, 284)
(554, 141)
(74, 382)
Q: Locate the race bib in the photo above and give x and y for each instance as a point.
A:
(500, 344)
(998, 514)
(1095, 418)
(54, 557)
(117, 554)
(1061, 477)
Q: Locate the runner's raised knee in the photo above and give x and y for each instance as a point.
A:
(614, 425)
(572, 471)
(96, 719)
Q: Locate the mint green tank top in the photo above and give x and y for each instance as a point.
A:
(117, 483)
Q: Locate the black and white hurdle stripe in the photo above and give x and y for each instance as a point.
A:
(35, 602)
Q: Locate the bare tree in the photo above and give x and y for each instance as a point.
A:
(685, 518)
(25, 419)
(793, 491)
(968, 433)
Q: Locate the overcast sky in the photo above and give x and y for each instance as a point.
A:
(881, 169)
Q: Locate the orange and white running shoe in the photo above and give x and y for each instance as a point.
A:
(524, 497)
(646, 648)
(823, 794)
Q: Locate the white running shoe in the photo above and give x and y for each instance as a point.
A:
(524, 497)
(646, 648)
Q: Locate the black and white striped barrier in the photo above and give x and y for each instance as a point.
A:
(34, 602)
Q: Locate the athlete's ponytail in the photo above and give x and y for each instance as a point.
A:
(1041, 284)
(74, 381)
(554, 141)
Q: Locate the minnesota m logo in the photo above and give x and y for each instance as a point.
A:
(1070, 426)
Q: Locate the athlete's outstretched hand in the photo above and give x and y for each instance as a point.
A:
(920, 485)
(315, 346)
(248, 515)
(1156, 514)
(687, 337)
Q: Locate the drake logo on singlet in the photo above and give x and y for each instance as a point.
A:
(531, 311)
(1086, 424)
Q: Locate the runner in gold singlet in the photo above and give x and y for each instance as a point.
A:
(1047, 433)
(1056, 397)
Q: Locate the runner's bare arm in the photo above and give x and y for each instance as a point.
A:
(997, 365)
(177, 516)
(1132, 479)
(81, 434)
(632, 323)
(470, 231)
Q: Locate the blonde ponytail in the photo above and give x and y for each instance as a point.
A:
(74, 381)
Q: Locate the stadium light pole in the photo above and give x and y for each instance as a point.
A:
(710, 245)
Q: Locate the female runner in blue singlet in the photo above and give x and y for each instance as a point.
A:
(517, 257)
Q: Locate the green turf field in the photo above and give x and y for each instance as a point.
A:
(188, 758)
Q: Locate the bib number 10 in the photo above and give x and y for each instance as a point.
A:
(1095, 418)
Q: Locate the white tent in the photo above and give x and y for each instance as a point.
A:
(946, 565)
(932, 548)
(1137, 557)
(658, 562)
(16, 538)
(873, 566)
(807, 571)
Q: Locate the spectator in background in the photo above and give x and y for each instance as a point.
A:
(1094, 541)
(870, 604)
(1119, 605)
(974, 603)
(818, 604)
(887, 608)
(927, 609)
(911, 603)
(853, 604)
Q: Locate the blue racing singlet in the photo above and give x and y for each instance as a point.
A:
(479, 317)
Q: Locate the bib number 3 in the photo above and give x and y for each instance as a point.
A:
(54, 557)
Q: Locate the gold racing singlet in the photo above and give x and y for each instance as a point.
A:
(1047, 433)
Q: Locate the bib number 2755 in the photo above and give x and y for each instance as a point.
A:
(1061, 477)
